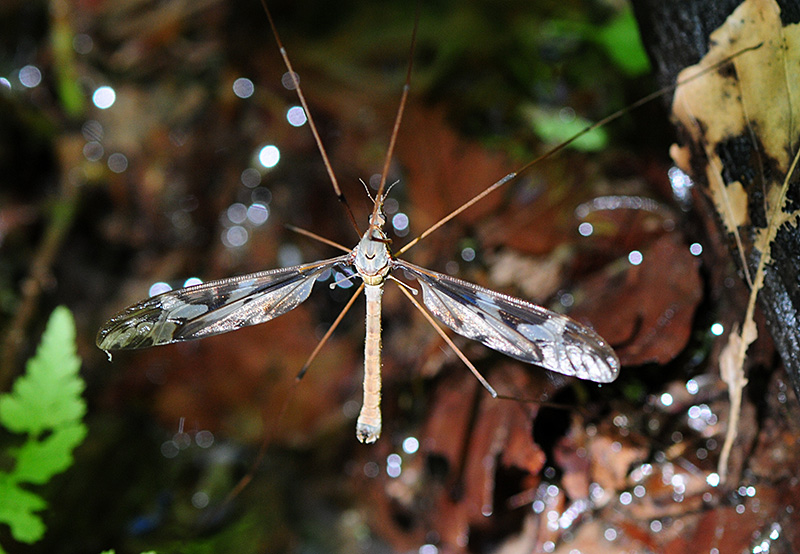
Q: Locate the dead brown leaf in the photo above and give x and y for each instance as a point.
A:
(649, 308)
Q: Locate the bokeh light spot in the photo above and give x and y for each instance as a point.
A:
(269, 156)
(104, 97)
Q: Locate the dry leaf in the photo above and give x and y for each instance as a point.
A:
(740, 120)
(650, 307)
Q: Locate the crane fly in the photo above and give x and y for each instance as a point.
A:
(517, 328)
(512, 326)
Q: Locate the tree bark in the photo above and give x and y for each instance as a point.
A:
(752, 157)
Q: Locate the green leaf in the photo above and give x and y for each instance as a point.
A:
(45, 403)
(621, 41)
(619, 38)
(17, 510)
(68, 80)
(38, 461)
(48, 394)
(552, 126)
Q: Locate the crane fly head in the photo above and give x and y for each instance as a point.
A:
(378, 217)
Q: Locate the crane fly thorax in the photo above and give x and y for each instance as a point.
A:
(371, 256)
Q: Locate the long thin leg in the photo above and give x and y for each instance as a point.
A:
(329, 332)
(398, 118)
(450, 343)
(296, 82)
(313, 235)
(552, 151)
(262, 450)
(470, 365)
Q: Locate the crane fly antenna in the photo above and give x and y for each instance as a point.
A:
(296, 83)
(609, 118)
(398, 118)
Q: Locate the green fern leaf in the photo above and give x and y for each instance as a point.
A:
(17, 510)
(38, 461)
(46, 405)
(48, 395)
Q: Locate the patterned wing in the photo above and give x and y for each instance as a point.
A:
(514, 327)
(212, 308)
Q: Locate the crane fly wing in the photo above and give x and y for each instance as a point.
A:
(212, 308)
(520, 329)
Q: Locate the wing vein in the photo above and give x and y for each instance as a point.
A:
(520, 329)
(212, 308)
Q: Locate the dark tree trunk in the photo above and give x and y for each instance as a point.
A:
(676, 35)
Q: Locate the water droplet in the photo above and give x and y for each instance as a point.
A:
(400, 224)
(610, 534)
(410, 445)
(288, 82)
(93, 151)
(204, 439)
(104, 97)
(269, 156)
(237, 213)
(82, 43)
(251, 178)
(169, 449)
(257, 214)
(296, 116)
(656, 526)
(585, 229)
(371, 469)
(235, 237)
(92, 130)
(159, 288)
(30, 76)
(243, 87)
(200, 500)
(117, 162)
